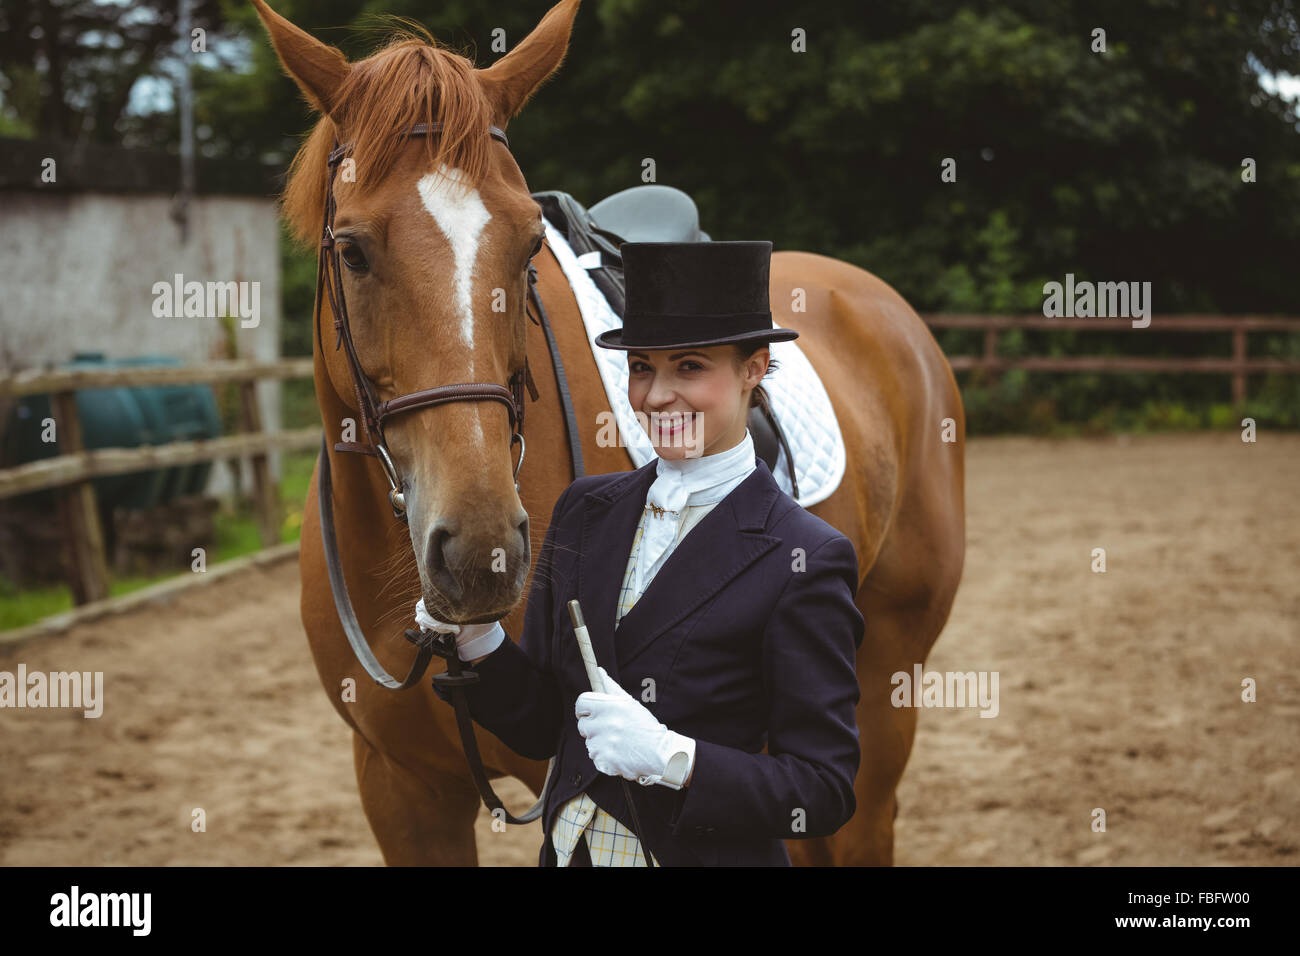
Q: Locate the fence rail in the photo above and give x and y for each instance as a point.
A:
(82, 466)
(1238, 365)
(41, 382)
(71, 473)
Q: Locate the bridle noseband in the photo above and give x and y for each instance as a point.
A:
(373, 412)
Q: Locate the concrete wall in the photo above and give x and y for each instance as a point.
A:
(79, 270)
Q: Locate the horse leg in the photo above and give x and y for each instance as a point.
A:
(886, 733)
(418, 820)
(905, 600)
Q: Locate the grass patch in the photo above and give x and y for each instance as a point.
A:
(236, 535)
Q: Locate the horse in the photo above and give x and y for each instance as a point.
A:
(436, 283)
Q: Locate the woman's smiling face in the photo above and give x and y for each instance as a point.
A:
(693, 401)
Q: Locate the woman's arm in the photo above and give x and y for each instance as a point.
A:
(516, 696)
(803, 786)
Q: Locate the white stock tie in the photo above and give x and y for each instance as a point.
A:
(688, 482)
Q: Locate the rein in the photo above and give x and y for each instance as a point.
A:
(373, 413)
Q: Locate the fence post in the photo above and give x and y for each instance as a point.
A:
(1239, 376)
(79, 512)
(991, 355)
(264, 492)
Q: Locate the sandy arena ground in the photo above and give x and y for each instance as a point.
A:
(1119, 690)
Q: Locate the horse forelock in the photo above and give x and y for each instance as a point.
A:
(410, 80)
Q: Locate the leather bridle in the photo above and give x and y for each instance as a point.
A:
(372, 411)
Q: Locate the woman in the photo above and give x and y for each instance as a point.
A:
(748, 634)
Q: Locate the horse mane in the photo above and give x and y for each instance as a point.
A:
(410, 79)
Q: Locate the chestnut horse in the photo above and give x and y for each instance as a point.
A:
(426, 279)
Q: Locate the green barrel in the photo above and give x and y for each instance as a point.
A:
(181, 413)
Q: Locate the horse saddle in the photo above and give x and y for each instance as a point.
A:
(649, 213)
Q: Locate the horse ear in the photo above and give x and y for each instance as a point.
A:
(317, 68)
(514, 78)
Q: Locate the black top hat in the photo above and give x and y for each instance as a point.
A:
(695, 294)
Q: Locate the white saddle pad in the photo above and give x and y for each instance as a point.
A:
(797, 396)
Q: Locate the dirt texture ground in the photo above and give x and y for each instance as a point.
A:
(1119, 690)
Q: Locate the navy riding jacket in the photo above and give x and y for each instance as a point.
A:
(746, 637)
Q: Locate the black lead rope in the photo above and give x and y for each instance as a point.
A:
(456, 678)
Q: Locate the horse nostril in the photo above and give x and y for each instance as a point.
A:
(470, 570)
(435, 564)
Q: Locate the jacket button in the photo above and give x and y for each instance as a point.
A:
(577, 779)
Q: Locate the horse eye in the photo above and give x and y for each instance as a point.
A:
(353, 258)
(537, 247)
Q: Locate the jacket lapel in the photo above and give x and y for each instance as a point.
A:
(720, 547)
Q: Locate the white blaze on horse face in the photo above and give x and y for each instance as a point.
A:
(458, 210)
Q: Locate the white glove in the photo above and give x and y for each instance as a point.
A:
(472, 640)
(624, 739)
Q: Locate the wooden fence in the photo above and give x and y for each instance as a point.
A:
(1238, 365)
(73, 470)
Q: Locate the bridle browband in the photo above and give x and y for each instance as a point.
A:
(373, 412)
